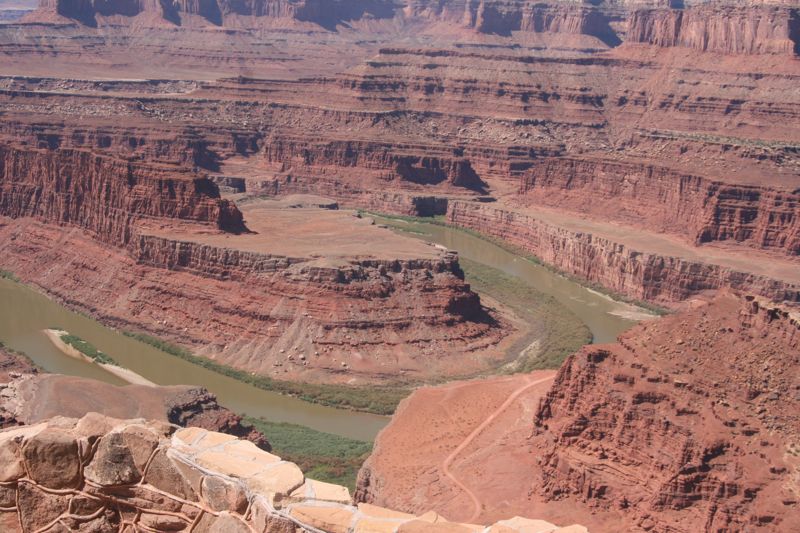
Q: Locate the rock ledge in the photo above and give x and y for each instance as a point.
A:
(103, 474)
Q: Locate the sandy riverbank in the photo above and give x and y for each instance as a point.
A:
(127, 375)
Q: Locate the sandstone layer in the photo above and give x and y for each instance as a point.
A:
(689, 422)
(728, 27)
(689, 143)
(351, 314)
(151, 246)
(103, 474)
(672, 164)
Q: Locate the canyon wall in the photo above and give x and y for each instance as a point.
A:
(127, 242)
(668, 201)
(629, 412)
(104, 474)
(725, 27)
(644, 276)
(105, 195)
(688, 423)
(289, 318)
(720, 27)
(421, 165)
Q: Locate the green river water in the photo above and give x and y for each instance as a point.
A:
(24, 313)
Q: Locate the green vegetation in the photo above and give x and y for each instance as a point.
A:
(7, 274)
(380, 400)
(557, 331)
(321, 456)
(441, 221)
(87, 349)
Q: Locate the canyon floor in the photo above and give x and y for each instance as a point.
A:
(203, 174)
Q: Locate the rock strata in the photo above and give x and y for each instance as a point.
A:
(104, 474)
(349, 316)
(719, 26)
(689, 422)
(663, 380)
(654, 277)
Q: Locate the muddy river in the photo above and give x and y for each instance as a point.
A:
(24, 313)
(606, 318)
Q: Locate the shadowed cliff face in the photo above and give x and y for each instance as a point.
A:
(106, 195)
(719, 26)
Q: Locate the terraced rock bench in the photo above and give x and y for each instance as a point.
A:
(102, 474)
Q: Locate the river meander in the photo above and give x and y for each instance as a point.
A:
(24, 313)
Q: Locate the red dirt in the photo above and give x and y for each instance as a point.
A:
(649, 149)
(690, 419)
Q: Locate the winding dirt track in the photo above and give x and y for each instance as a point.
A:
(477, 431)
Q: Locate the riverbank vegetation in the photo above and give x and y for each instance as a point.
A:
(555, 332)
(7, 274)
(321, 456)
(86, 348)
(439, 220)
(380, 400)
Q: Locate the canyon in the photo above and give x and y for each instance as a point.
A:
(650, 433)
(211, 174)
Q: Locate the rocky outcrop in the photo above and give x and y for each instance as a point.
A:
(689, 422)
(350, 318)
(29, 398)
(720, 27)
(506, 16)
(384, 162)
(13, 366)
(103, 474)
(619, 415)
(668, 201)
(289, 317)
(103, 195)
(644, 276)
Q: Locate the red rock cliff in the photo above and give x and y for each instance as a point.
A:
(689, 423)
(665, 200)
(105, 195)
(720, 27)
(408, 164)
(644, 276)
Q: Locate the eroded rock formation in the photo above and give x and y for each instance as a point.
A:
(104, 195)
(660, 385)
(717, 26)
(688, 422)
(104, 474)
(728, 28)
(657, 169)
(656, 277)
(669, 202)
